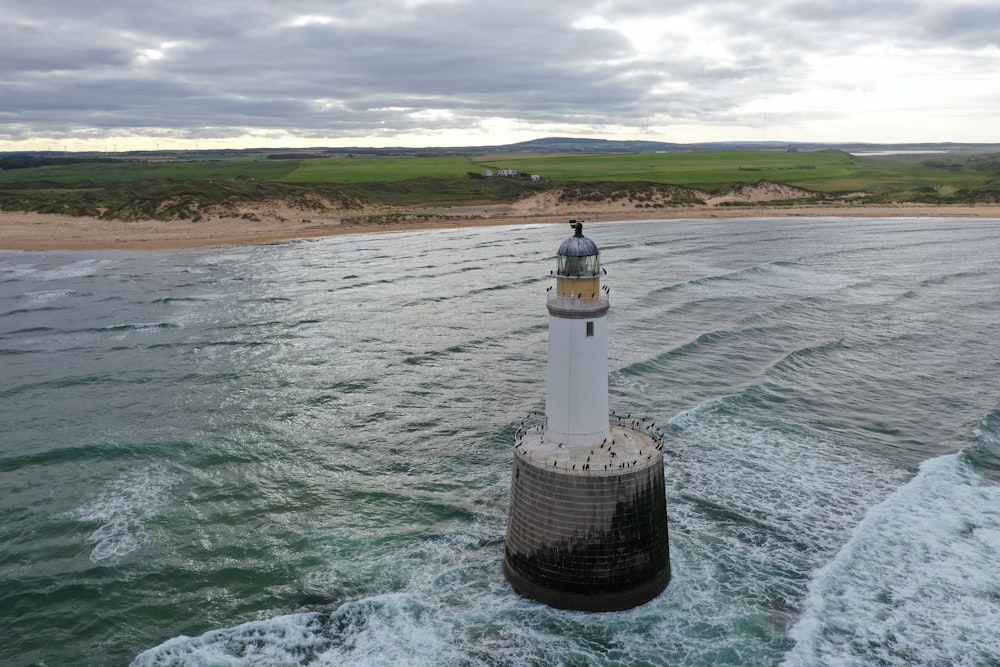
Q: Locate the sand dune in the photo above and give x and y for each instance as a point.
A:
(271, 222)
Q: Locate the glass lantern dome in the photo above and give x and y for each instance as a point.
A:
(578, 255)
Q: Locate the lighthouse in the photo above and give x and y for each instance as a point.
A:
(587, 527)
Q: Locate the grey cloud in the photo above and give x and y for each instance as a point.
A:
(853, 11)
(482, 59)
(973, 26)
(225, 66)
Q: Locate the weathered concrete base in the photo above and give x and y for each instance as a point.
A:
(606, 601)
(591, 540)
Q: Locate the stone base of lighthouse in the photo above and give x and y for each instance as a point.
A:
(587, 528)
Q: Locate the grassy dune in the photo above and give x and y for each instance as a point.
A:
(186, 185)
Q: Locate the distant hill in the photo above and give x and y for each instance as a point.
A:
(547, 145)
(571, 145)
(582, 145)
(578, 145)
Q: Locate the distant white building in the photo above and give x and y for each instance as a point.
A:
(506, 172)
(488, 173)
(536, 177)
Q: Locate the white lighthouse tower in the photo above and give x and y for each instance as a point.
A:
(587, 527)
(576, 398)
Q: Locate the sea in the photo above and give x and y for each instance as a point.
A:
(300, 453)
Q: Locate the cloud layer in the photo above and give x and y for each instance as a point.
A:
(451, 71)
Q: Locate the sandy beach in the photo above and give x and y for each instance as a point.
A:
(35, 231)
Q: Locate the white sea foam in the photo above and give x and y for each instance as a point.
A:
(16, 271)
(277, 641)
(123, 511)
(985, 432)
(916, 584)
(391, 629)
(226, 258)
(81, 269)
(48, 295)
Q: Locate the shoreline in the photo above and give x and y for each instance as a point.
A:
(38, 231)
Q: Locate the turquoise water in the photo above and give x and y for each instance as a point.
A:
(300, 453)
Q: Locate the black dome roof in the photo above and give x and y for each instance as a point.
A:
(578, 245)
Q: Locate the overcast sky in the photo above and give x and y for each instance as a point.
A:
(225, 73)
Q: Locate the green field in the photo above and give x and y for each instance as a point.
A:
(136, 187)
(102, 172)
(708, 171)
(373, 170)
(821, 171)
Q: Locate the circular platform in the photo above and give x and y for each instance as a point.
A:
(624, 449)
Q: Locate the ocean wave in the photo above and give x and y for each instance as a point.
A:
(143, 327)
(914, 585)
(182, 299)
(985, 455)
(794, 361)
(82, 269)
(33, 311)
(48, 295)
(779, 482)
(763, 279)
(428, 617)
(946, 278)
(354, 634)
(29, 330)
(14, 272)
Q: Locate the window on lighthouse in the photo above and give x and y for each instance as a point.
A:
(590, 329)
